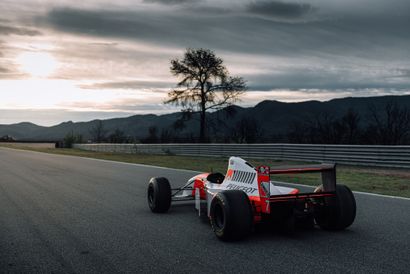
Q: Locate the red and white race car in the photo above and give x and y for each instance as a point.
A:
(246, 196)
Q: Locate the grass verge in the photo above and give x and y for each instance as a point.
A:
(387, 181)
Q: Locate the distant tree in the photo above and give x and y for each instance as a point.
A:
(386, 125)
(389, 126)
(166, 136)
(246, 130)
(117, 136)
(219, 125)
(98, 132)
(297, 132)
(350, 123)
(152, 135)
(189, 138)
(322, 128)
(7, 138)
(205, 85)
(330, 129)
(72, 138)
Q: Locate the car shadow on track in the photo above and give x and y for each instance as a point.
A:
(302, 237)
(267, 231)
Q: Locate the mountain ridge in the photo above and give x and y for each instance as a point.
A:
(274, 117)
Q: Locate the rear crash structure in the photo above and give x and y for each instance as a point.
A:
(246, 195)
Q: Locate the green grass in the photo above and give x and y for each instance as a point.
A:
(375, 180)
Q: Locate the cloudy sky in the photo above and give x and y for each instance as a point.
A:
(80, 60)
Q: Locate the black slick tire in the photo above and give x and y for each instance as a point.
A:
(337, 213)
(231, 215)
(159, 195)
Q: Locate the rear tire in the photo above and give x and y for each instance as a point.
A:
(159, 195)
(231, 215)
(338, 212)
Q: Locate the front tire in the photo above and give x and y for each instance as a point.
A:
(159, 195)
(338, 212)
(231, 215)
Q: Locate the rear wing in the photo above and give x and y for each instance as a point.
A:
(328, 173)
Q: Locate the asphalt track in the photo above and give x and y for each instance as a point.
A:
(65, 214)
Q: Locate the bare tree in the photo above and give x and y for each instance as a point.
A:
(324, 128)
(247, 130)
(152, 137)
(321, 128)
(350, 122)
(205, 85)
(98, 132)
(166, 136)
(390, 126)
(117, 136)
(298, 132)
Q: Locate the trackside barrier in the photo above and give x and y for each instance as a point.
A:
(383, 156)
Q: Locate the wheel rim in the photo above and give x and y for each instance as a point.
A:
(219, 217)
(151, 196)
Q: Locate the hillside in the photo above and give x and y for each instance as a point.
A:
(273, 118)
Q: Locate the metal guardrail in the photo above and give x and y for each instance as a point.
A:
(383, 156)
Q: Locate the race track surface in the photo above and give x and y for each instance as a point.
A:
(65, 214)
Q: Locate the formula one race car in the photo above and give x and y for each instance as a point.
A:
(245, 196)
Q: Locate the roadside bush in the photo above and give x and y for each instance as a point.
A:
(71, 139)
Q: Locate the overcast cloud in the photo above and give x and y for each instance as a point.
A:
(336, 40)
(351, 47)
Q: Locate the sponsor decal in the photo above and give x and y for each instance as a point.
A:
(243, 176)
(229, 174)
(246, 189)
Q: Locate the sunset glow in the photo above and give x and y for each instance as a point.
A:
(102, 58)
(37, 64)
